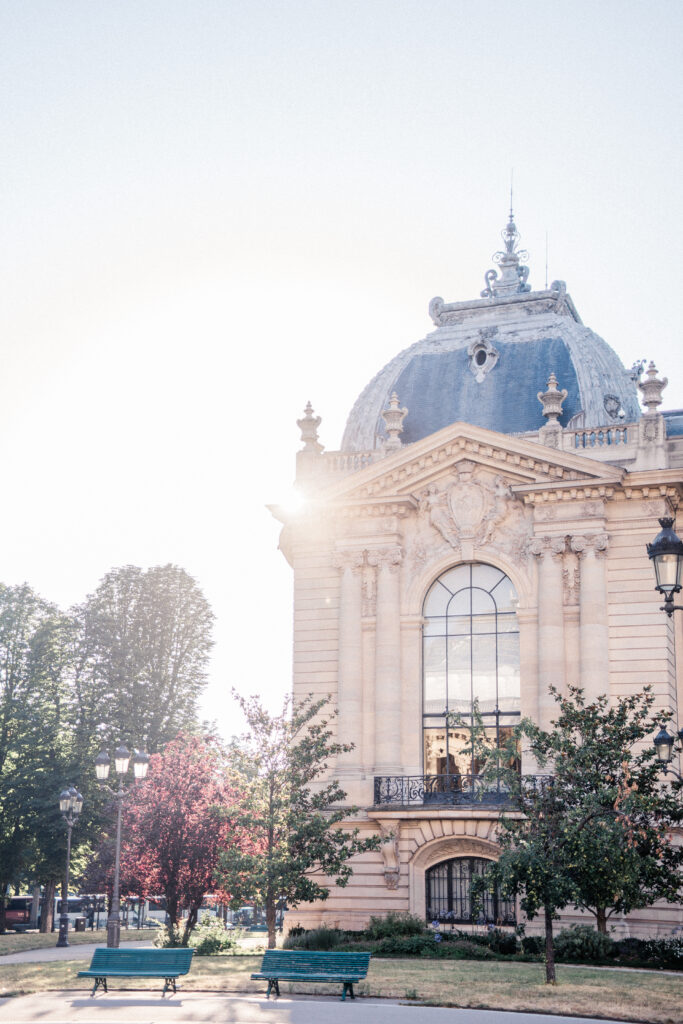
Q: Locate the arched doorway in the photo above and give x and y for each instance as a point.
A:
(448, 896)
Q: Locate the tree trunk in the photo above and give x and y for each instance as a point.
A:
(550, 978)
(3, 915)
(270, 921)
(35, 904)
(601, 915)
(48, 907)
(189, 924)
(171, 917)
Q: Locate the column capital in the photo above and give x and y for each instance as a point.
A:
(389, 558)
(595, 543)
(554, 546)
(346, 559)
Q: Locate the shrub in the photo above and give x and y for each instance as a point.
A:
(317, 938)
(395, 924)
(582, 943)
(631, 949)
(666, 952)
(533, 944)
(501, 942)
(162, 939)
(211, 937)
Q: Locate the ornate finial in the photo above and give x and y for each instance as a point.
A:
(513, 276)
(309, 431)
(552, 400)
(393, 418)
(652, 388)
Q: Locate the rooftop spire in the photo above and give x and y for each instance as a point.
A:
(513, 275)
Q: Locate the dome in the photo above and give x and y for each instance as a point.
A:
(487, 360)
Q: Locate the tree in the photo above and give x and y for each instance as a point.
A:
(596, 830)
(35, 751)
(621, 857)
(287, 811)
(145, 638)
(176, 824)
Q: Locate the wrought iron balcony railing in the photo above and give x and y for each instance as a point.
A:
(439, 791)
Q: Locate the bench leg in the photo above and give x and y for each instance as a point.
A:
(168, 983)
(273, 985)
(98, 982)
(347, 987)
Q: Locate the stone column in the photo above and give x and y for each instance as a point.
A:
(387, 662)
(594, 628)
(350, 659)
(551, 663)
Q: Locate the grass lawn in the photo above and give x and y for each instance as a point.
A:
(624, 995)
(16, 943)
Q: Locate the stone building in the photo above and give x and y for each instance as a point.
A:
(480, 535)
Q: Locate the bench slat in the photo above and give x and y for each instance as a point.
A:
(168, 964)
(305, 965)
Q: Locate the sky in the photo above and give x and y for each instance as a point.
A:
(214, 212)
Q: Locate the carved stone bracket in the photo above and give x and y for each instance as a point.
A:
(390, 831)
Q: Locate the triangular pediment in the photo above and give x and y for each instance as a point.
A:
(524, 464)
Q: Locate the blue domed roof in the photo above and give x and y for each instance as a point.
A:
(489, 358)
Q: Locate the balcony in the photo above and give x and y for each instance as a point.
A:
(426, 791)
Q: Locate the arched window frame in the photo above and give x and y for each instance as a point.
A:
(448, 886)
(486, 625)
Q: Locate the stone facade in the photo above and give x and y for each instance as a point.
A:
(564, 513)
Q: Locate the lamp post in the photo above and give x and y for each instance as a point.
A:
(664, 745)
(121, 762)
(71, 805)
(666, 552)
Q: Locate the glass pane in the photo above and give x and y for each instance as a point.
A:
(482, 603)
(459, 748)
(505, 596)
(456, 579)
(435, 751)
(437, 600)
(459, 625)
(434, 675)
(484, 671)
(459, 675)
(507, 623)
(508, 671)
(486, 577)
(506, 740)
(460, 603)
(435, 626)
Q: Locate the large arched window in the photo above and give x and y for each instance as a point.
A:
(471, 655)
(449, 894)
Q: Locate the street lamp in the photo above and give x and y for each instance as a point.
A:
(664, 745)
(666, 552)
(71, 805)
(121, 763)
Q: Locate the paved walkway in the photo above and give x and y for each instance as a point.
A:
(83, 951)
(189, 1007)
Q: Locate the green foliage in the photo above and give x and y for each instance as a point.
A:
(596, 830)
(582, 944)
(533, 944)
(288, 842)
(501, 942)
(620, 812)
(315, 938)
(394, 924)
(211, 937)
(144, 638)
(169, 938)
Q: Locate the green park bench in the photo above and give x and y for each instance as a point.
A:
(168, 964)
(300, 965)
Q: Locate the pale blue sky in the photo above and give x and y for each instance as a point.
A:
(214, 211)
